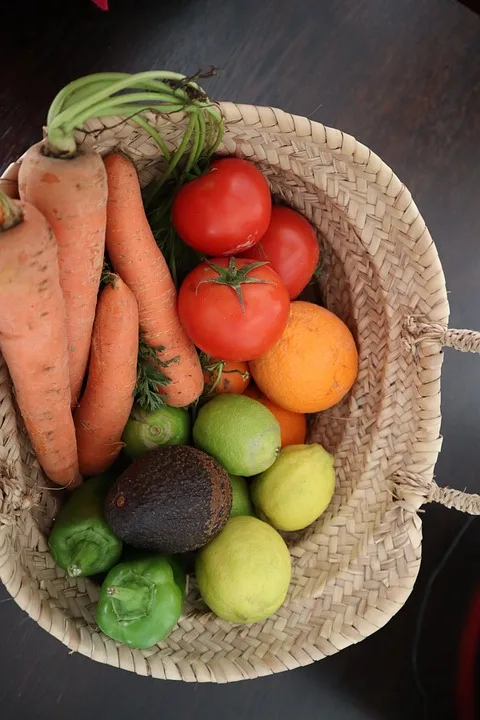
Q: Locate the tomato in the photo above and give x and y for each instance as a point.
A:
(224, 376)
(233, 309)
(291, 246)
(224, 211)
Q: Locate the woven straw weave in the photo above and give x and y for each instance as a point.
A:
(355, 567)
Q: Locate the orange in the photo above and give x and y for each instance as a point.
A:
(222, 376)
(313, 365)
(293, 426)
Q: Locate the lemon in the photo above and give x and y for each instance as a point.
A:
(241, 503)
(296, 489)
(238, 432)
(243, 574)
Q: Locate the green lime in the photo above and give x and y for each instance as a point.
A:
(146, 431)
(241, 503)
(243, 574)
(297, 488)
(238, 432)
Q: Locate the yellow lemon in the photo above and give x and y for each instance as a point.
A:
(296, 489)
(243, 574)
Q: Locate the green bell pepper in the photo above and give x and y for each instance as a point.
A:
(141, 600)
(81, 542)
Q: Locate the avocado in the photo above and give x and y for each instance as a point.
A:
(172, 500)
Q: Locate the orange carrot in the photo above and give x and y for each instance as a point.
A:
(139, 262)
(72, 194)
(112, 372)
(33, 337)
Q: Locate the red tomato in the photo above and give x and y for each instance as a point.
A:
(291, 246)
(224, 211)
(233, 309)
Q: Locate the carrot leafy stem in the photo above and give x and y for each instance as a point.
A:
(11, 213)
(180, 258)
(151, 376)
(107, 277)
(131, 96)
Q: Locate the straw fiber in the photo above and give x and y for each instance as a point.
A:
(355, 567)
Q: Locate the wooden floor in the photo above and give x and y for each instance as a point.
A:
(403, 76)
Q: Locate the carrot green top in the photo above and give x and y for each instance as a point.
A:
(130, 96)
(11, 213)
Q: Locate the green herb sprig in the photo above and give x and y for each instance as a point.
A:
(151, 376)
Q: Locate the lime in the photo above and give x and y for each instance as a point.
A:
(241, 503)
(297, 488)
(146, 431)
(243, 574)
(238, 432)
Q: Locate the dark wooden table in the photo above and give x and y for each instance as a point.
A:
(403, 76)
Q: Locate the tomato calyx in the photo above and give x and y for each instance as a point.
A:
(234, 277)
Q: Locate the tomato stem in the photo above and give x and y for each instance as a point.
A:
(235, 277)
(215, 370)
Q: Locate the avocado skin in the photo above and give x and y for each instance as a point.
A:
(172, 500)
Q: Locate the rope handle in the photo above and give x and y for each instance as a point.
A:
(462, 340)
(457, 499)
(409, 483)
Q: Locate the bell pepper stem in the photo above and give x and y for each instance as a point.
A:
(85, 555)
(126, 594)
(131, 603)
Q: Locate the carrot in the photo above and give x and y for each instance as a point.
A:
(105, 406)
(70, 188)
(33, 337)
(136, 257)
(72, 194)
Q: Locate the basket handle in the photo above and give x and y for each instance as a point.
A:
(464, 341)
(457, 499)
(408, 484)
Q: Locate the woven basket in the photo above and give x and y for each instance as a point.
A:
(355, 567)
